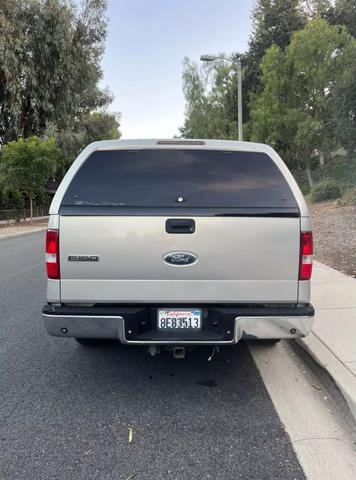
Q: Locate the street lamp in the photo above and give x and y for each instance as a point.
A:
(212, 58)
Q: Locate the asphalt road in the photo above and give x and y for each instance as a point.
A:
(65, 410)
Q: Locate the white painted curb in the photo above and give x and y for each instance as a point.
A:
(343, 377)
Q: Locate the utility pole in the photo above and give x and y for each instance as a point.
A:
(239, 100)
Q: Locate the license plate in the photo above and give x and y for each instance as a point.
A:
(183, 319)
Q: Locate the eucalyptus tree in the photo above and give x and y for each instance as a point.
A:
(50, 53)
(206, 90)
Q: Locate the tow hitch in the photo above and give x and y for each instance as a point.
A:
(179, 352)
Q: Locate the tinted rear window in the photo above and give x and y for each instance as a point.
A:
(158, 177)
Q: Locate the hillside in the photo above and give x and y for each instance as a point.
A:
(334, 215)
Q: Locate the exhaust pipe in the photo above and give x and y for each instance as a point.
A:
(179, 353)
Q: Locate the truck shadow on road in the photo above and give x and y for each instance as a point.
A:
(132, 366)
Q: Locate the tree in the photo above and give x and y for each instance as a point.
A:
(295, 110)
(345, 109)
(273, 23)
(50, 55)
(315, 8)
(207, 101)
(28, 165)
(318, 55)
(100, 125)
(271, 107)
(212, 106)
(343, 13)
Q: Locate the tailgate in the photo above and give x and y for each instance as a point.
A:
(239, 259)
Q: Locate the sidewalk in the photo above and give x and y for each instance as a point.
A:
(332, 342)
(23, 228)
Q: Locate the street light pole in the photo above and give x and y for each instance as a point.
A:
(239, 101)
(212, 58)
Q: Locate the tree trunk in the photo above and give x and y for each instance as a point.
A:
(31, 207)
(308, 171)
(327, 156)
(326, 153)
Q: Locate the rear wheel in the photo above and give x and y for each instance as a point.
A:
(92, 342)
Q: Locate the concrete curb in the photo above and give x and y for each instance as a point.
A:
(343, 377)
(24, 232)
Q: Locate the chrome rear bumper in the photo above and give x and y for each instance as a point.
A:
(255, 327)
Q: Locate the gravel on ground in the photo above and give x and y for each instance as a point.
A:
(334, 231)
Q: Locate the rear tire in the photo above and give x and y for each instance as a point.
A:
(91, 342)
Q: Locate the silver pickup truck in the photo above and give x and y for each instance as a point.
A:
(177, 243)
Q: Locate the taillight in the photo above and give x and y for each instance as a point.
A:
(306, 255)
(52, 254)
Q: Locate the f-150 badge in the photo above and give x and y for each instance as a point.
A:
(83, 258)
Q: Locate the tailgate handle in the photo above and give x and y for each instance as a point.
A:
(180, 225)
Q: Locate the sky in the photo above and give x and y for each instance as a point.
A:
(147, 41)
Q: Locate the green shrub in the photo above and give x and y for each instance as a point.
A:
(326, 190)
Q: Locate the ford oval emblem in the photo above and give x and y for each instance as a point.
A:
(180, 259)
